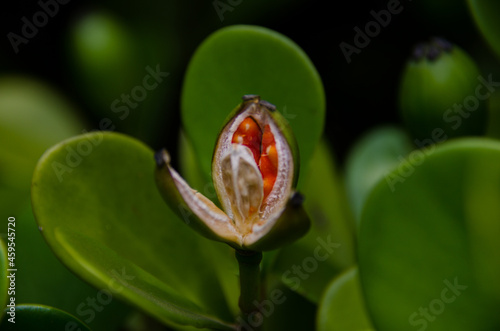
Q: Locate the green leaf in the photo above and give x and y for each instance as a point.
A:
(190, 169)
(371, 158)
(104, 218)
(342, 307)
(32, 117)
(485, 13)
(3, 276)
(417, 260)
(240, 60)
(41, 318)
(482, 194)
(328, 248)
(35, 257)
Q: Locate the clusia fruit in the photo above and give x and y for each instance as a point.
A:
(254, 170)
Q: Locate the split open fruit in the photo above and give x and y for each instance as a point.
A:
(254, 170)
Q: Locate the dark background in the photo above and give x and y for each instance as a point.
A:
(360, 95)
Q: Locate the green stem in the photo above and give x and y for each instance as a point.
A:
(249, 263)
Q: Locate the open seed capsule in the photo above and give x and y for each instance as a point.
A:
(254, 169)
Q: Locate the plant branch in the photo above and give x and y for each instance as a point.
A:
(249, 265)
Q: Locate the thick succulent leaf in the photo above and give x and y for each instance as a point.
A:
(419, 242)
(342, 307)
(328, 248)
(482, 195)
(32, 117)
(485, 14)
(371, 158)
(95, 199)
(36, 258)
(189, 168)
(41, 318)
(241, 60)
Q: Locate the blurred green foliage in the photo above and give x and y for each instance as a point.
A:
(427, 214)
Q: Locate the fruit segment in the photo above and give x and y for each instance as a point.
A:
(249, 134)
(263, 147)
(268, 161)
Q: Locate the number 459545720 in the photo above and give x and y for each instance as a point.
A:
(11, 229)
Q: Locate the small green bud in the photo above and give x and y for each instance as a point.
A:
(442, 91)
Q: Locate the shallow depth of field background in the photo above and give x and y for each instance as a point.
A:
(360, 94)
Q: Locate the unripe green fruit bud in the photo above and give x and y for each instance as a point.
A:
(442, 92)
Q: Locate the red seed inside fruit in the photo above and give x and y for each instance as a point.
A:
(268, 161)
(249, 134)
(263, 147)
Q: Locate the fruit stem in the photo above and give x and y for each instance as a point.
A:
(249, 265)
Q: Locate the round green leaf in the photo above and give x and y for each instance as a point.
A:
(40, 318)
(240, 60)
(328, 247)
(98, 207)
(485, 14)
(32, 117)
(417, 260)
(371, 158)
(482, 193)
(190, 169)
(342, 307)
(43, 275)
